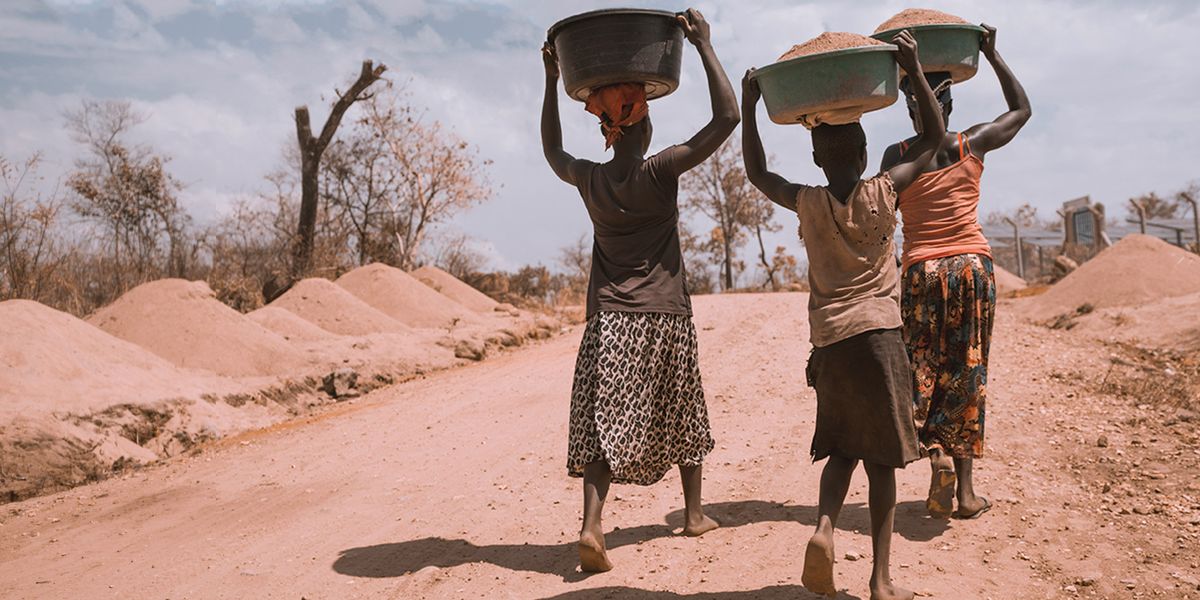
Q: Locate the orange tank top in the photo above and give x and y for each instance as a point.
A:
(940, 211)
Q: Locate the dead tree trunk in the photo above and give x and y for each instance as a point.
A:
(311, 149)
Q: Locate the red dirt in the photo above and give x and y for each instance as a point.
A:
(183, 322)
(403, 297)
(50, 358)
(829, 42)
(1007, 282)
(453, 486)
(288, 324)
(1136, 270)
(911, 17)
(332, 308)
(454, 289)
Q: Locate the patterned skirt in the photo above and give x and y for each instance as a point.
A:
(948, 306)
(637, 402)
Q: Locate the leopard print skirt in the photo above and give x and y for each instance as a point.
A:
(637, 402)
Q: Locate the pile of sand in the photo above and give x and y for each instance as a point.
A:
(454, 289)
(829, 42)
(404, 298)
(1007, 282)
(1168, 323)
(288, 325)
(52, 361)
(911, 17)
(183, 322)
(1136, 270)
(332, 308)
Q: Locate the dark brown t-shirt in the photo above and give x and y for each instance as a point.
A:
(637, 265)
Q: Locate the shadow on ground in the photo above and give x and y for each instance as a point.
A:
(790, 592)
(912, 521)
(401, 558)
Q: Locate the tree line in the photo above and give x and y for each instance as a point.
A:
(372, 186)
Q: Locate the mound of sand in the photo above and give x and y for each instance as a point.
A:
(829, 42)
(911, 17)
(183, 322)
(332, 308)
(1007, 282)
(52, 361)
(288, 325)
(454, 289)
(404, 298)
(1167, 323)
(1136, 270)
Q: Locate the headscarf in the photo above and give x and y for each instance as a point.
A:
(618, 105)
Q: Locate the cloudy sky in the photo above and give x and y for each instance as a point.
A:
(1114, 88)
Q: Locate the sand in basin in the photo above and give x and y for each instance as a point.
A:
(183, 322)
(1136, 270)
(404, 298)
(911, 17)
(52, 361)
(454, 289)
(1007, 282)
(288, 324)
(829, 42)
(332, 308)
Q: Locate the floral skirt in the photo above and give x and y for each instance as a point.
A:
(637, 402)
(949, 305)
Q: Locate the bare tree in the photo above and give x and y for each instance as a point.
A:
(125, 188)
(438, 173)
(1156, 206)
(30, 255)
(311, 149)
(719, 190)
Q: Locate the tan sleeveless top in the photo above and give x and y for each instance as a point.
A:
(852, 268)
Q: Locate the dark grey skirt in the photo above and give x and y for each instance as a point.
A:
(864, 399)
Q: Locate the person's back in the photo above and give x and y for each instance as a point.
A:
(852, 271)
(858, 365)
(637, 265)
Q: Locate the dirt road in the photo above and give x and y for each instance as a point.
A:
(454, 486)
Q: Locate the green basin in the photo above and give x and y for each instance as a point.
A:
(950, 47)
(854, 78)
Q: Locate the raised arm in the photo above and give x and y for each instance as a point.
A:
(724, 103)
(989, 136)
(774, 186)
(567, 167)
(933, 127)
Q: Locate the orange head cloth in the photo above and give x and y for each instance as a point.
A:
(618, 105)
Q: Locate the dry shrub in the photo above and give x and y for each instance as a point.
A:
(1156, 377)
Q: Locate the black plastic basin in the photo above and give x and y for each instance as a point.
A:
(620, 45)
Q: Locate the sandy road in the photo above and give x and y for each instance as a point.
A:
(453, 486)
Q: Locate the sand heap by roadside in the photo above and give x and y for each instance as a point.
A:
(1136, 270)
(911, 17)
(332, 308)
(451, 287)
(1007, 282)
(183, 322)
(1169, 323)
(404, 298)
(828, 42)
(288, 324)
(52, 361)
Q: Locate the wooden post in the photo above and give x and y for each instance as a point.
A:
(1020, 250)
(1141, 211)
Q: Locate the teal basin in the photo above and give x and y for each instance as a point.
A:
(854, 78)
(951, 47)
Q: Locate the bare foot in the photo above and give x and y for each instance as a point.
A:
(890, 592)
(972, 508)
(818, 565)
(593, 557)
(941, 487)
(700, 526)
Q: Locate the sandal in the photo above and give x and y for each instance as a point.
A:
(940, 503)
(987, 505)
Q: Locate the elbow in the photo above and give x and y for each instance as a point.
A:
(728, 120)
